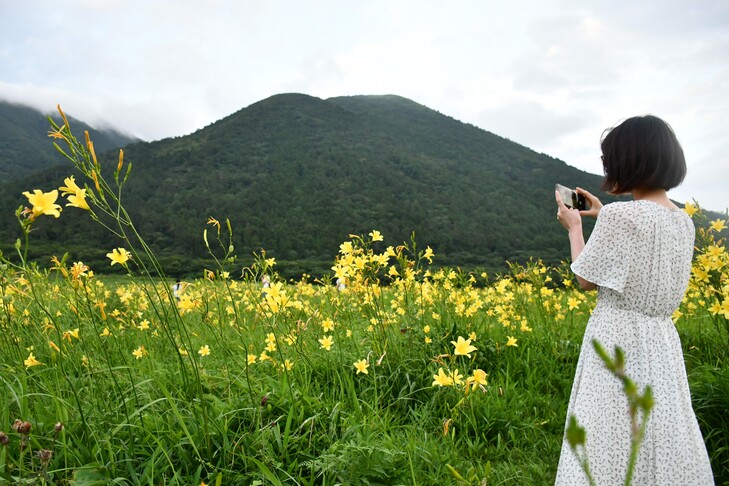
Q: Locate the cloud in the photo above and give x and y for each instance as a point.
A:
(550, 75)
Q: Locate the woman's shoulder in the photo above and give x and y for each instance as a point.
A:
(641, 212)
(616, 211)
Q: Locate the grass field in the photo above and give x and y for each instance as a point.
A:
(410, 375)
(437, 377)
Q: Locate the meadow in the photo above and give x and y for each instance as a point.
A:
(410, 374)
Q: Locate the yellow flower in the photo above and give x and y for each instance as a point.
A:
(43, 203)
(31, 361)
(442, 379)
(70, 187)
(718, 225)
(186, 304)
(214, 222)
(326, 342)
(428, 255)
(120, 256)
(463, 347)
(511, 341)
(457, 377)
(271, 347)
(105, 332)
(140, 352)
(690, 208)
(725, 308)
(327, 325)
(54, 346)
(204, 350)
(428, 340)
(78, 200)
(375, 235)
(472, 336)
(67, 335)
(76, 195)
(251, 359)
(182, 351)
(477, 378)
(426, 329)
(144, 325)
(393, 272)
(287, 365)
(573, 303)
(362, 366)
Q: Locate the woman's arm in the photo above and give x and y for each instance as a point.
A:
(572, 221)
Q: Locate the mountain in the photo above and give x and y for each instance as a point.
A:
(297, 174)
(24, 146)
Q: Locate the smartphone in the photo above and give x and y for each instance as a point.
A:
(571, 198)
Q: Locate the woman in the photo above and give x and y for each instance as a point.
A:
(639, 258)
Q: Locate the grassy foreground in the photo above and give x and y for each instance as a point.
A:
(406, 376)
(435, 378)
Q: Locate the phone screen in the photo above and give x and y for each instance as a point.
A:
(571, 198)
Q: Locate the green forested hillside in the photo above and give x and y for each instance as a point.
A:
(24, 145)
(297, 174)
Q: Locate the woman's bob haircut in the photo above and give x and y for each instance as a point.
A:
(641, 153)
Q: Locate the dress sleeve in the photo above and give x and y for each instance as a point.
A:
(606, 259)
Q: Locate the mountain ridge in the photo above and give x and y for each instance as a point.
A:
(297, 174)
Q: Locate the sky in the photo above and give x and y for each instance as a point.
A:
(549, 74)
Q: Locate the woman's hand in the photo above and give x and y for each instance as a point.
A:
(570, 218)
(592, 201)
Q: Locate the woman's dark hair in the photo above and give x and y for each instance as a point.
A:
(641, 153)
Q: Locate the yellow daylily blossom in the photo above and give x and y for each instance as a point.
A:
(140, 352)
(71, 187)
(375, 235)
(326, 342)
(204, 350)
(690, 208)
(362, 366)
(78, 200)
(43, 203)
(442, 379)
(119, 255)
(573, 303)
(718, 225)
(463, 347)
(76, 195)
(457, 377)
(327, 325)
(428, 254)
(511, 341)
(31, 361)
(477, 378)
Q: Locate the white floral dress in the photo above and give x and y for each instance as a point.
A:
(639, 255)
